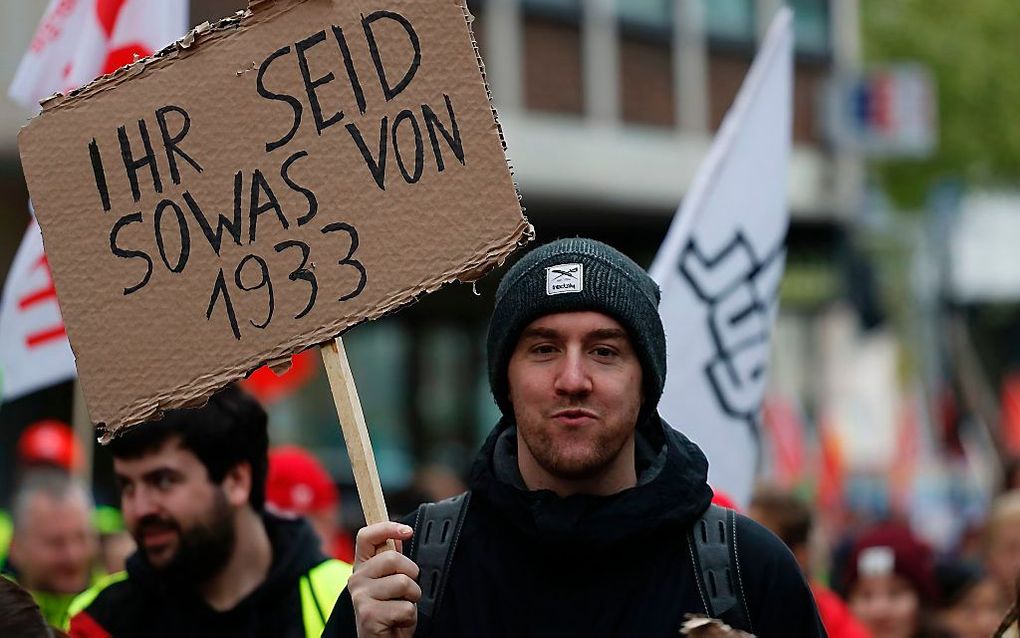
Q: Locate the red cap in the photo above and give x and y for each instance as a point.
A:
(49, 442)
(297, 483)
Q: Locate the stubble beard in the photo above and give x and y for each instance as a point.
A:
(602, 451)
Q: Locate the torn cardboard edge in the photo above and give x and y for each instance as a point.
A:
(197, 392)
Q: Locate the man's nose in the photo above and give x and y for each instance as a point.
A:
(140, 503)
(573, 376)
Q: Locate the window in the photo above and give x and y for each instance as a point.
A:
(558, 8)
(811, 26)
(729, 20)
(648, 14)
(378, 352)
(445, 353)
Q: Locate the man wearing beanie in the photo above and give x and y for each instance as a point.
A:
(582, 499)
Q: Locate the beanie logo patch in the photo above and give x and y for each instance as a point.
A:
(564, 278)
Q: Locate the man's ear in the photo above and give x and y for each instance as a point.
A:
(237, 484)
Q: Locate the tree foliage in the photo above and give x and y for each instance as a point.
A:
(973, 50)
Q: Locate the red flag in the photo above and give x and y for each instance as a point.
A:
(1011, 413)
(269, 387)
(785, 430)
(832, 467)
(908, 456)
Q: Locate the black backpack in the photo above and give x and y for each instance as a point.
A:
(712, 541)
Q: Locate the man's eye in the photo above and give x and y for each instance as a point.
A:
(604, 352)
(163, 481)
(543, 348)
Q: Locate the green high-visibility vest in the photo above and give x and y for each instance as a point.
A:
(319, 589)
(6, 534)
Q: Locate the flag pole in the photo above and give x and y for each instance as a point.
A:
(355, 432)
(83, 432)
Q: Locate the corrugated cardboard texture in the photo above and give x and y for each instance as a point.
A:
(191, 203)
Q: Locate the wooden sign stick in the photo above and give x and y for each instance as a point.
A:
(355, 431)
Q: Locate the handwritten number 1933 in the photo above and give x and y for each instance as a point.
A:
(264, 279)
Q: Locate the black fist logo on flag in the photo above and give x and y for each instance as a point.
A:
(740, 291)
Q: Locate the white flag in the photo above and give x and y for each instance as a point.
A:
(34, 352)
(77, 40)
(720, 267)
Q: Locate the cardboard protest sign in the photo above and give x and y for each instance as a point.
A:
(261, 186)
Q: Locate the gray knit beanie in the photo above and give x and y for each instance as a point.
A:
(571, 275)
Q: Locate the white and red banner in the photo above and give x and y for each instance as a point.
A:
(77, 41)
(720, 267)
(34, 351)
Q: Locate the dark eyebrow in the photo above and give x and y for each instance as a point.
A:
(539, 333)
(547, 333)
(158, 473)
(608, 333)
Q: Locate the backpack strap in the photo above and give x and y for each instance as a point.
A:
(713, 543)
(437, 529)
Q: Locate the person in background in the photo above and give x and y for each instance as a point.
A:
(51, 445)
(210, 560)
(54, 546)
(971, 603)
(1010, 625)
(19, 614)
(1001, 542)
(46, 444)
(432, 482)
(439, 481)
(1010, 475)
(789, 518)
(298, 485)
(890, 583)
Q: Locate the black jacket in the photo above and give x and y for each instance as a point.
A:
(531, 564)
(146, 605)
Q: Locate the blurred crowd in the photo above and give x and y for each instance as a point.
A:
(876, 579)
(881, 579)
